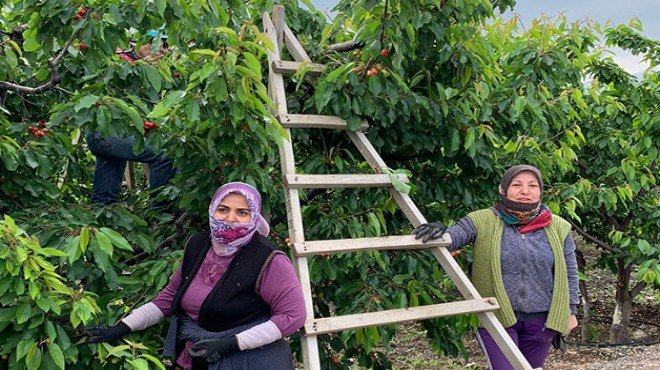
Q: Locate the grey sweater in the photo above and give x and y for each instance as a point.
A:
(527, 265)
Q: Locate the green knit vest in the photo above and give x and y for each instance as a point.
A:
(487, 269)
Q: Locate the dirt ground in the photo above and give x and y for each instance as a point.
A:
(412, 351)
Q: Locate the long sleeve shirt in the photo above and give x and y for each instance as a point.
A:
(527, 265)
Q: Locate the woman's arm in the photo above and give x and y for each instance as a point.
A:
(281, 290)
(462, 233)
(571, 271)
(159, 307)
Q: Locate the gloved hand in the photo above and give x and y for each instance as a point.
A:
(212, 350)
(559, 342)
(106, 333)
(428, 231)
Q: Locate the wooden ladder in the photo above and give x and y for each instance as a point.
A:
(281, 35)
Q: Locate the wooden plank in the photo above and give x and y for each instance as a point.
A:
(316, 121)
(275, 80)
(363, 320)
(368, 151)
(289, 67)
(299, 181)
(396, 242)
(278, 21)
(294, 47)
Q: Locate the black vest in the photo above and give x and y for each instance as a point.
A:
(233, 301)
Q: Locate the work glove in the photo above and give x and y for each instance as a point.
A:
(428, 231)
(106, 333)
(559, 342)
(212, 350)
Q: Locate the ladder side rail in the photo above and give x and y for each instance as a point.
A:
(294, 47)
(275, 80)
(442, 255)
(309, 344)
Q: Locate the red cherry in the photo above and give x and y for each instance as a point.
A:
(83, 46)
(374, 71)
(384, 52)
(356, 70)
(77, 17)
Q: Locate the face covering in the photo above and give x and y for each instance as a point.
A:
(227, 236)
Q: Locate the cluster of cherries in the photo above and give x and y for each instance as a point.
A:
(81, 13)
(38, 131)
(148, 126)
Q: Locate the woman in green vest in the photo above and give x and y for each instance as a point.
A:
(525, 257)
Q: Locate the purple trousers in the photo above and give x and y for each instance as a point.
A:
(532, 338)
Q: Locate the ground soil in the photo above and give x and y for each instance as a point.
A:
(412, 351)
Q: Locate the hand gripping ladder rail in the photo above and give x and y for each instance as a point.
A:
(280, 35)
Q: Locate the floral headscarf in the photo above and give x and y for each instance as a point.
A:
(528, 216)
(233, 235)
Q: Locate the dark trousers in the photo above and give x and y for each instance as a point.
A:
(111, 156)
(532, 338)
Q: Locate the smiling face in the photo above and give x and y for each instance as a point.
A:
(524, 188)
(233, 208)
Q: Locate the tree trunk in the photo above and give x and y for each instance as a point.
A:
(621, 317)
(586, 305)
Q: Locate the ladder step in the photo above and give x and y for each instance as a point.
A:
(363, 320)
(291, 67)
(299, 181)
(317, 121)
(395, 242)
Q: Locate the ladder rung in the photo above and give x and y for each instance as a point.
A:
(363, 320)
(291, 67)
(317, 121)
(298, 181)
(394, 242)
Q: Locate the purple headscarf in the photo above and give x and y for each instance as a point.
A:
(233, 235)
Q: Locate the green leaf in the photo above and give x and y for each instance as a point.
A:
(24, 347)
(34, 357)
(23, 313)
(104, 243)
(644, 247)
(116, 239)
(375, 224)
(85, 102)
(399, 185)
(56, 354)
(154, 360)
(84, 238)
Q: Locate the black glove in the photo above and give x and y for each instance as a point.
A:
(559, 342)
(212, 350)
(431, 230)
(106, 333)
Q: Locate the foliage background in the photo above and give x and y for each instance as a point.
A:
(459, 97)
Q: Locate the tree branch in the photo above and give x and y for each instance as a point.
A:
(346, 46)
(55, 77)
(590, 238)
(637, 289)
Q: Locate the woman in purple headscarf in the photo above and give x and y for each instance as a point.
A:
(234, 297)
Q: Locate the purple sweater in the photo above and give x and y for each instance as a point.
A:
(527, 265)
(279, 288)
